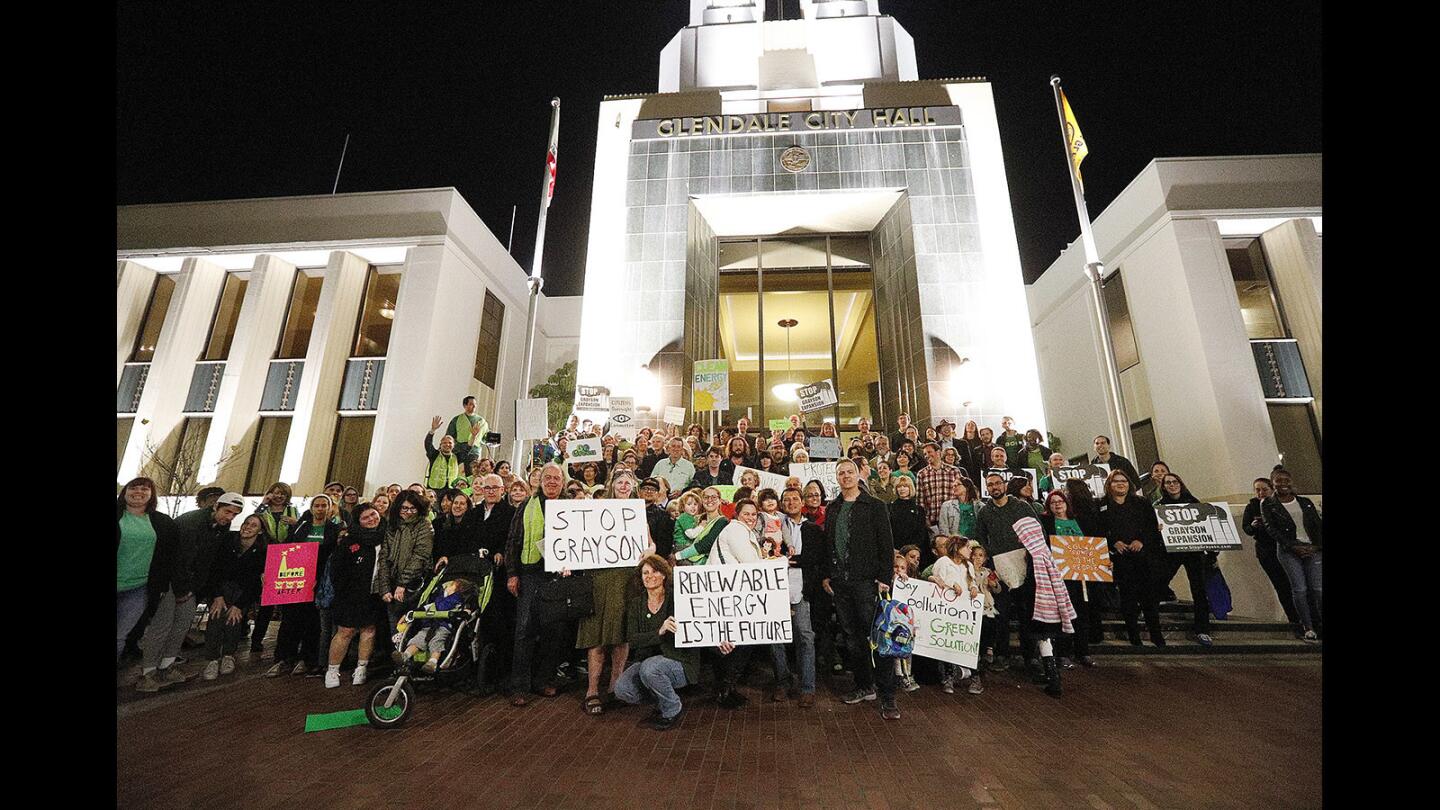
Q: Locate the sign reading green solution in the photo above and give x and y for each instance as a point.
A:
(710, 389)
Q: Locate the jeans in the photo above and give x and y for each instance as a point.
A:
(1270, 562)
(1304, 576)
(167, 629)
(263, 616)
(800, 618)
(128, 607)
(222, 639)
(855, 606)
(1197, 570)
(660, 676)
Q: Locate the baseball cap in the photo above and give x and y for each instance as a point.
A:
(234, 499)
(650, 483)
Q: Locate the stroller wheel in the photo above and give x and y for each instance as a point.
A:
(399, 710)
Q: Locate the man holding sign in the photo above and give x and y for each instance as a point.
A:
(859, 567)
(525, 555)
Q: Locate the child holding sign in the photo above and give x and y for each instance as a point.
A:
(953, 572)
(904, 569)
(772, 542)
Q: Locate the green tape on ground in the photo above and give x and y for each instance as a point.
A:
(325, 722)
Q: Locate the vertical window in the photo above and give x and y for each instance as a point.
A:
(1296, 439)
(1254, 289)
(270, 440)
(351, 452)
(1147, 451)
(155, 313)
(377, 315)
(227, 316)
(1122, 332)
(183, 467)
(487, 354)
(300, 317)
(122, 437)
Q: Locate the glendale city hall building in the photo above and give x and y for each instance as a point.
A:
(797, 201)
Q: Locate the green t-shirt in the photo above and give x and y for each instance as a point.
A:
(842, 533)
(137, 547)
(1068, 528)
(1035, 461)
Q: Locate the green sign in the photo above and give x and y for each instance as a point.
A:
(779, 425)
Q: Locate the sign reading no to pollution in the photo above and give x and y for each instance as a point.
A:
(584, 534)
(947, 626)
(746, 603)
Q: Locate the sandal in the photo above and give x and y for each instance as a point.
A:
(594, 705)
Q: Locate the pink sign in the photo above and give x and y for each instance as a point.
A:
(290, 571)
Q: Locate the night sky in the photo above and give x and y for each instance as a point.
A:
(236, 101)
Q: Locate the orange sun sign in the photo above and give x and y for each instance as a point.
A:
(1086, 559)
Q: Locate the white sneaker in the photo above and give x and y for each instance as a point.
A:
(332, 678)
(212, 671)
(1310, 637)
(227, 665)
(358, 677)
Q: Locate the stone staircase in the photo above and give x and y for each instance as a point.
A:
(1236, 635)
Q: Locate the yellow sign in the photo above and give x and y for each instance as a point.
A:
(1086, 559)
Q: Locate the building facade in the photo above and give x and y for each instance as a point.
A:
(1213, 292)
(796, 201)
(308, 339)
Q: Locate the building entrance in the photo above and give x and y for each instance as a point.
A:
(793, 310)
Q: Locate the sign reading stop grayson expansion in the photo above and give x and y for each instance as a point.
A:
(741, 604)
(290, 570)
(1092, 474)
(947, 626)
(583, 534)
(592, 398)
(816, 396)
(1197, 526)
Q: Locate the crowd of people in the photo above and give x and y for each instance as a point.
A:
(926, 502)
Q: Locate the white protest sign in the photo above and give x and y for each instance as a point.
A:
(1005, 473)
(824, 447)
(710, 387)
(592, 399)
(674, 415)
(1197, 526)
(816, 396)
(768, 480)
(746, 603)
(587, 533)
(822, 471)
(1091, 474)
(947, 627)
(622, 412)
(531, 418)
(579, 450)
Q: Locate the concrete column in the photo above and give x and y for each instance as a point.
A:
(182, 338)
(1210, 417)
(232, 427)
(1293, 252)
(436, 330)
(312, 428)
(132, 294)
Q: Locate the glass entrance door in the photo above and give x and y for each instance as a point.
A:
(795, 310)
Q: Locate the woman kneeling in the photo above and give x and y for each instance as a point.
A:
(659, 668)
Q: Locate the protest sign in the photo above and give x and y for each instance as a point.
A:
(290, 570)
(768, 480)
(592, 399)
(747, 603)
(674, 415)
(622, 412)
(824, 447)
(531, 418)
(779, 425)
(1092, 474)
(947, 626)
(1006, 474)
(591, 533)
(582, 450)
(727, 491)
(822, 471)
(1197, 526)
(1011, 568)
(816, 396)
(1085, 559)
(710, 387)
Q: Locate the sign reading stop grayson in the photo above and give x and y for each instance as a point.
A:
(592, 398)
(816, 396)
(589, 533)
(1197, 526)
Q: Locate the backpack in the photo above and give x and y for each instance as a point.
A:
(325, 587)
(893, 633)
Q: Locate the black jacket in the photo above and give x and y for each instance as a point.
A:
(236, 571)
(871, 549)
(352, 572)
(1018, 461)
(300, 533)
(811, 559)
(662, 529)
(199, 539)
(907, 525)
(515, 541)
(453, 538)
(495, 530)
(1282, 527)
(1260, 533)
(1133, 520)
(1119, 462)
(162, 562)
(703, 478)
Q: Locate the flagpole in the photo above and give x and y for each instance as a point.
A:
(536, 282)
(1095, 273)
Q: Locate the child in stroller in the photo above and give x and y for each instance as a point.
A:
(433, 633)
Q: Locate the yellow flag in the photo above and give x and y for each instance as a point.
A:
(1073, 138)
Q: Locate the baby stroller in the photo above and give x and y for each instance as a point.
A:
(462, 665)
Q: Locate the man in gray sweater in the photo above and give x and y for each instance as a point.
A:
(995, 529)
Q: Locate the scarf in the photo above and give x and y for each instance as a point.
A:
(1052, 601)
(533, 550)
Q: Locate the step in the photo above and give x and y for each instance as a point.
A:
(1227, 626)
(1222, 646)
